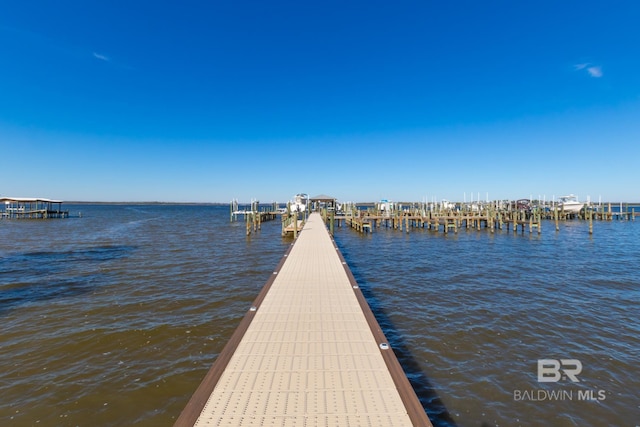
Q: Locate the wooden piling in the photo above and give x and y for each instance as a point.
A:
(539, 215)
(331, 222)
(295, 224)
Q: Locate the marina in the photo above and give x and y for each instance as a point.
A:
(445, 216)
(451, 217)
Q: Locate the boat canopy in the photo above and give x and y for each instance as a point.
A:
(27, 200)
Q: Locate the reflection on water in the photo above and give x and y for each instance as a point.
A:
(114, 318)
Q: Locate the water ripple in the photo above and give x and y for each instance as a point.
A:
(114, 318)
(476, 311)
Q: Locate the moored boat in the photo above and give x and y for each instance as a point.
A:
(570, 204)
(299, 203)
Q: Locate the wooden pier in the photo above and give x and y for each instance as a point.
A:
(31, 208)
(253, 215)
(447, 221)
(292, 225)
(452, 220)
(308, 352)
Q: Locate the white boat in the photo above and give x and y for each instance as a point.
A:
(299, 203)
(445, 204)
(385, 207)
(569, 204)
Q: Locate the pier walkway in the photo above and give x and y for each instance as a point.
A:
(309, 352)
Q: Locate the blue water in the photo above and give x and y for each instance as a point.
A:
(113, 318)
(475, 311)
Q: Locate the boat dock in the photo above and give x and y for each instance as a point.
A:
(31, 208)
(254, 215)
(308, 352)
(451, 220)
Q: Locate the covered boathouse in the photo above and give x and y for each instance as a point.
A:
(26, 207)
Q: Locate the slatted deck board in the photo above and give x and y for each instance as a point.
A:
(308, 353)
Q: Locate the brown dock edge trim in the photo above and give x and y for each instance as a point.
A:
(195, 406)
(416, 412)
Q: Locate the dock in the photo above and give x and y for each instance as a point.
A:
(254, 215)
(31, 208)
(308, 352)
(421, 216)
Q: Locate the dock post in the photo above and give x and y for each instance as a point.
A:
(490, 220)
(626, 211)
(332, 219)
(590, 221)
(555, 214)
(295, 224)
(539, 222)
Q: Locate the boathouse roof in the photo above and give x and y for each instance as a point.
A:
(322, 197)
(28, 200)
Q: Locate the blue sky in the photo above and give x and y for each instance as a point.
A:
(206, 101)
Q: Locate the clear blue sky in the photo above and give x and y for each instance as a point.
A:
(206, 101)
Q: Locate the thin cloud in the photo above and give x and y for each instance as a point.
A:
(101, 57)
(595, 72)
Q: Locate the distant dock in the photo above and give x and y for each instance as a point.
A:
(254, 215)
(31, 208)
(451, 219)
(308, 352)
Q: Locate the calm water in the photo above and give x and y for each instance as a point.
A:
(114, 318)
